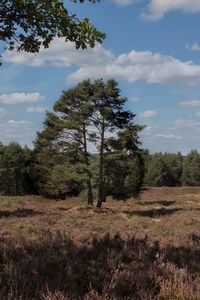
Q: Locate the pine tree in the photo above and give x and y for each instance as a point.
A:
(191, 169)
(89, 114)
(108, 116)
(75, 111)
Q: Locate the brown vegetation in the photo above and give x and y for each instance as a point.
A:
(54, 267)
(165, 214)
(61, 250)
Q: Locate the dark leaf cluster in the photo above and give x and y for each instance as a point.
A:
(29, 25)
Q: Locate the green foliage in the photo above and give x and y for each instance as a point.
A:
(74, 111)
(157, 174)
(82, 116)
(171, 169)
(65, 178)
(52, 172)
(191, 169)
(15, 164)
(135, 177)
(115, 174)
(109, 116)
(29, 24)
(124, 164)
(163, 169)
(123, 175)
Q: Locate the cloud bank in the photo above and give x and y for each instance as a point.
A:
(60, 54)
(158, 8)
(193, 47)
(103, 63)
(20, 98)
(36, 109)
(191, 103)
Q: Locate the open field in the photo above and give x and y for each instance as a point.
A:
(165, 214)
(61, 250)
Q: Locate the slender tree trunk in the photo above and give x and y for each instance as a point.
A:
(104, 191)
(90, 194)
(89, 183)
(101, 170)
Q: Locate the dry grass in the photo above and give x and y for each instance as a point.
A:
(165, 214)
(47, 251)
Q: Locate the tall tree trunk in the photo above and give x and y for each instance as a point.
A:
(89, 183)
(101, 170)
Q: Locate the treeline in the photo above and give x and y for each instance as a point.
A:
(90, 146)
(54, 175)
(172, 169)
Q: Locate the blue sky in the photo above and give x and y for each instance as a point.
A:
(152, 48)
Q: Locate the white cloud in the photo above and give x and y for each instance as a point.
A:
(191, 103)
(103, 63)
(168, 136)
(60, 54)
(181, 135)
(123, 2)
(193, 47)
(148, 114)
(134, 98)
(20, 98)
(158, 8)
(197, 113)
(141, 65)
(182, 123)
(36, 109)
(17, 123)
(21, 131)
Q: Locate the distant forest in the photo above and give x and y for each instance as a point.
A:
(92, 115)
(21, 173)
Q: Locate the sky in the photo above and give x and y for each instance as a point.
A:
(152, 49)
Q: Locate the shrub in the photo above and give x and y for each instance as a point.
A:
(54, 267)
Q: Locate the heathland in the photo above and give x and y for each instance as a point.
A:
(147, 248)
